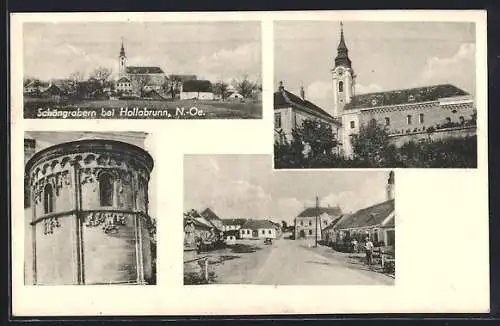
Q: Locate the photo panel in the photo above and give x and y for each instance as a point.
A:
(379, 94)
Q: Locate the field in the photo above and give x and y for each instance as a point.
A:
(205, 109)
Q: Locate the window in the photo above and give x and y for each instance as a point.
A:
(263, 232)
(310, 232)
(421, 118)
(390, 237)
(387, 121)
(341, 86)
(310, 223)
(352, 125)
(408, 119)
(106, 191)
(269, 231)
(48, 199)
(277, 120)
(325, 222)
(461, 119)
(301, 223)
(448, 119)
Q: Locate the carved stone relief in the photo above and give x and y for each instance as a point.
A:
(110, 221)
(49, 224)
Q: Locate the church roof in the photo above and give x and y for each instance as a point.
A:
(370, 216)
(209, 214)
(404, 96)
(143, 70)
(342, 58)
(311, 211)
(285, 99)
(183, 77)
(197, 86)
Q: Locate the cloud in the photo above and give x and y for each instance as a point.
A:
(363, 89)
(232, 63)
(243, 196)
(319, 89)
(353, 200)
(458, 69)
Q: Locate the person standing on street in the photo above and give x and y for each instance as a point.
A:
(369, 251)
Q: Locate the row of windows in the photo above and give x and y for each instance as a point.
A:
(106, 193)
(409, 120)
(250, 232)
(311, 223)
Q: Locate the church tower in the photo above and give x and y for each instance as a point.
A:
(122, 61)
(343, 77)
(390, 186)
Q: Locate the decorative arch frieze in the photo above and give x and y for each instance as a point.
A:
(58, 181)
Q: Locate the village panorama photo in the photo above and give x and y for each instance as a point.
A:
(245, 223)
(89, 213)
(366, 94)
(142, 70)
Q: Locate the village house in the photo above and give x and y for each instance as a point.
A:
(291, 110)
(258, 229)
(196, 89)
(305, 222)
(375, 222)
(215, 220)
(231, 227)
(194, 229)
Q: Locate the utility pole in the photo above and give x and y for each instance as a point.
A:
(316, 211)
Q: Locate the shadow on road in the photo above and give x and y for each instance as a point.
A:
(221, 259)
(244, 248)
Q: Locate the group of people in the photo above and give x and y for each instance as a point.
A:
(367, 247)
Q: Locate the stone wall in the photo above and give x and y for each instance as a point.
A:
(436, 135)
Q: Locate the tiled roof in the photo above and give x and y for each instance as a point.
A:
(285, 99)
(311, 211)
(404, 96)
(209, 214)
(144, 70)
(123, 79)
(257, 224)
(197, 86)
(196, 222)
(182, 77)
(233, 221)
(333, 223)
(373, 215)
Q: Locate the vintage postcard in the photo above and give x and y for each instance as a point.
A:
(246, 226)
(380, 94)
(299, 148)
(142, 70)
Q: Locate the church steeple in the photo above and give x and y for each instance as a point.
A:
(122, 50)
(122, 61)
(342, 58)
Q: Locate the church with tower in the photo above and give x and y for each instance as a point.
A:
(135, 79)
(406, 114)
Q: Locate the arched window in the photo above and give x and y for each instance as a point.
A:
(48, 199)
(341, 86)
(461, 119)
(106, 191)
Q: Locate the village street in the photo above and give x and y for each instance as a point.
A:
(290, 262)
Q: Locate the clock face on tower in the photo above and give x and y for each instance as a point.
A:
(340, 72)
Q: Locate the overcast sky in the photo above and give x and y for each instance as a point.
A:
(246, 186)
(385, 55)
(211, 50)
(45, 139)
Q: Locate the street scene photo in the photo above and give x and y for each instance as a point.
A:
(366, 94)
(245, 223)
(142, 70)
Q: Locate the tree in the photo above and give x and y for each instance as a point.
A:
(140, 82)
(319, 137)
(76, 77)
(371, 146)
(101, 74)
(221, 88)
(245, 87)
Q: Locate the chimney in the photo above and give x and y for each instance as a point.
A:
(302, 93)
(281, 87)
(390, 186)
